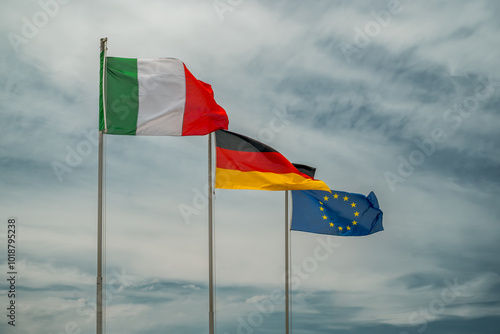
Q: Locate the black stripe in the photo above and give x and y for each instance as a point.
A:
(305, 169)
(236, 142)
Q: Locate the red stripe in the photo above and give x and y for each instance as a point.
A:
(202, 114)
(272, 162)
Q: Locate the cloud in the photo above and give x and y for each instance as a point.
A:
(279, 71)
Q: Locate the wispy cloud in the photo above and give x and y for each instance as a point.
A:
(419, 101)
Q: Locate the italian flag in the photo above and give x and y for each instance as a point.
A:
(156, 97)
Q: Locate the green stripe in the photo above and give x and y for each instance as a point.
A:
(122, 96)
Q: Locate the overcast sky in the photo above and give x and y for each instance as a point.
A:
(396, 97)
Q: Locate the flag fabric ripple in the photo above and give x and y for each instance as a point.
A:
(156, 97)
(245, 163)
(336, 213)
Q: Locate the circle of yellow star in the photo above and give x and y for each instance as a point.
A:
(331, 224)
(340, 228)
(335, 196)
(348, 228)
(346, 198)
(354, 222)
(321, 208)
(325, 198)
(325, 217)
(356, 213)
(353, 204)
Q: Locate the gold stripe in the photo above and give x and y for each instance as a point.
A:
(235, 179)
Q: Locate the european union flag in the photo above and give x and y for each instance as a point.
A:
(337, 213)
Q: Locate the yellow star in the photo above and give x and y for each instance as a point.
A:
(348, 228)
(354, 222)
(321, 208)
(336, 196)
(331, 224)
(325, 217)
(340, 228)
(353, 204)
(325, 198)
(356, 213)
(346, 198)
(321, 203)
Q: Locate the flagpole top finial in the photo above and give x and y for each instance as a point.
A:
(104, 40)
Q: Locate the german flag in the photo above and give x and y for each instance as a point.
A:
(244, 163)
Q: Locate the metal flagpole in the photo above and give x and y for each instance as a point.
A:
(287, 269)
(211, 308)
(99, 238)
(99, 288)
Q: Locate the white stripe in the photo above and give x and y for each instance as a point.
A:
(162, 97)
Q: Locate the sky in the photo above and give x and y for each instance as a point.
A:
(396, 97)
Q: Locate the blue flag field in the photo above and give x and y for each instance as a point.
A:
(336, 213)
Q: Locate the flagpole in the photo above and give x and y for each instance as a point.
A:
(287, 269)
(211, 308)
(99, 287)
(99, 238)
